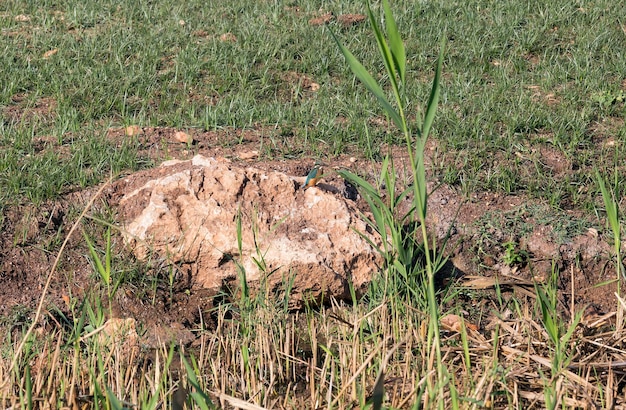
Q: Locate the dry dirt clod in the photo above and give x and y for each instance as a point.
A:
(321, 20)
(183, 137)
(228, 38)
(186, 212)
(249, 155)
(348, 20)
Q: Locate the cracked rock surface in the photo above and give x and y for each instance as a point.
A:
(186, 213)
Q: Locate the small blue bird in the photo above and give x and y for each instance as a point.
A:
(314, 176)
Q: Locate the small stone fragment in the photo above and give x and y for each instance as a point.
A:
(183, 137)
(248, 155)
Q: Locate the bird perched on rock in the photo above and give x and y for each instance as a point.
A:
(314, 175)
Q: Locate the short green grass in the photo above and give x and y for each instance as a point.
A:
(516, 77)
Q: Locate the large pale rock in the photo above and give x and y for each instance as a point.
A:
(187, 212)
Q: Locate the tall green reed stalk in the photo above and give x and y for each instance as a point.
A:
(104, 270)
(612, 214)
(399, 244)
(560, 334)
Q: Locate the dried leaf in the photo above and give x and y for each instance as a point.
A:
(423, 330)
(479, 282)
(482, 282)
(451, 323)
(132, 130)
(454, 323)
(50, 53)
(22, 18)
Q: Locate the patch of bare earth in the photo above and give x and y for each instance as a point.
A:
(322, 19)
(604, 131)
(539, 95)
(346, 20)
(477, 229)
(27, 231)
(22, 110)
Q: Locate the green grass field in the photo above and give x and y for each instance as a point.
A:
(517, 77)
(533, 100)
